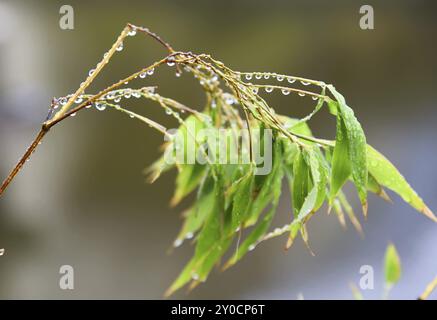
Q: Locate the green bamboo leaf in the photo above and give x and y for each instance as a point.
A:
(264, 185)
(386, 174)
(301, 182)
(206, 243)
(202, 208)
(243, 198)
(262, 227)
(392, 265)
(341, 166)
(356, 146)
(375, 187)
(189, 177)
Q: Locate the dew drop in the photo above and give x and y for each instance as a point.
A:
(117, 99)
(266, 76)
(189, 235)
(195, 276)
(120, 47)
(255, 90)
(280, 78)
(150, 71)
(132, 32)
(136, 94)
(258, 76)
(268, 89)
(305, 83)
(168, 111)
(251, 247)
(178, 74)
(73, 114)
(127, 94)
(2, 251)
(100, 106)
(131, 116)
(301, 94)
(177, 243)
(291, 80)
(314, 97)
(88, 106)
(91, 72)
(285, 92)
(143, 75)
(171, 61)
(79, 99)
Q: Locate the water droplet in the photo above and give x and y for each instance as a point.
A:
(314, 97)
(280, 78)
(150, 71)
(237, 229)
(189, 235)
(73, 114)
(255, 90)
(301, 94)
(195, 276)
(100, 106)
(106, 54)
(168, 111)
(268, 89)
(117, 99)
(213, 104)
(131, 116)
(132, 32)
(285, 92)
(266, 76)
(258, 76)
(127, 94)
(143, 75)
(120, 47)
(88, 106)
(171, 61)
(178, 74)
(136, 94)
(2, 251)
(248, 77)
(305, 83)
(91, 72)
(177, 243)
(251, 247)
(291, 80)
(79, 99)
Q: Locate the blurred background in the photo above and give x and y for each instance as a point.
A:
(83, 201)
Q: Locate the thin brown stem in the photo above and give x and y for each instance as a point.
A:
(24, 158)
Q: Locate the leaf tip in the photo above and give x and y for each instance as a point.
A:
(427, 212)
